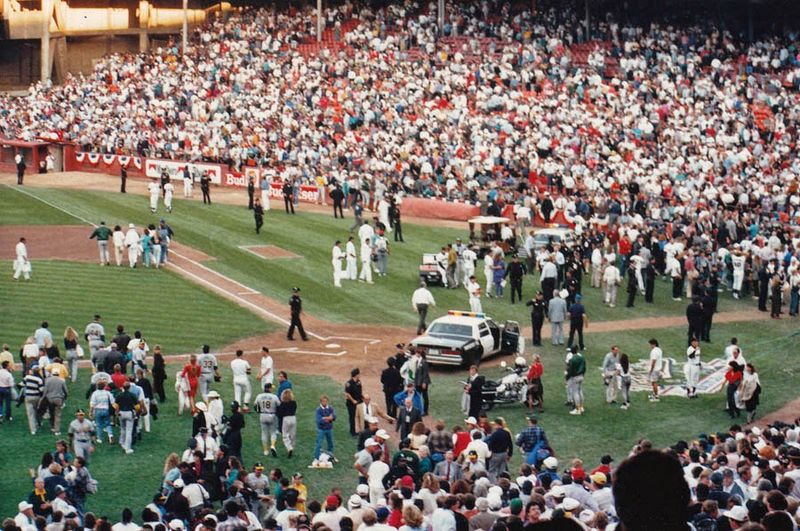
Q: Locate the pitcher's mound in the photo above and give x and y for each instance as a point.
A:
(269, 252)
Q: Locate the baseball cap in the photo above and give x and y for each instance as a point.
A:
(570, 504)
(470, 420)
(354, 501)
(737, 512)
(558, 491)
(382, 434)
(178, 483)
(599, 478)
(362, 490)
(297, 475)
(551, 462)
(176, 524)
(332, 501)
(24, 506)
(370, 442)
(382, 513)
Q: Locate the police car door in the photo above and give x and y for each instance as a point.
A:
(485, 338)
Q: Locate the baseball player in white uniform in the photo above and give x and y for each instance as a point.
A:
(209, 370)
(241, 380)
(169, 190)
(266, 374)
(737, 261)
(337, 256)
(154, 190)
(22, 266)
(468, 258)
(352, 262)
(488, 272)
(132, 243)
(366, 262)
(692, 369)
(474, 290)
(266, 405)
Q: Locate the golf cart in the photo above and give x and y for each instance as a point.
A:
(429, 272)
(485, 231)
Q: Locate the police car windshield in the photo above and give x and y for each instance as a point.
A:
(450, 329)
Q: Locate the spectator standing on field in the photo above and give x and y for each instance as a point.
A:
(325, 417)
(556, 313)
(421, 300)
(578, 320)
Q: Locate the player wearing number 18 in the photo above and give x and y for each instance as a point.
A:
(266, 405)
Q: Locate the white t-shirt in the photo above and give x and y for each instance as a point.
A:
(266, 365)
(657, 356)
(240, 368)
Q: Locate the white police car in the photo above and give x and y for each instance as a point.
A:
(466, 338)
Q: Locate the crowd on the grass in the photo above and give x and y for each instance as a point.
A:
(412, 475)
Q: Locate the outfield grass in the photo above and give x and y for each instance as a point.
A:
(220, 231)
(168, 310)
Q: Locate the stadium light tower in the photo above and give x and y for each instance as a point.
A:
(319, 20)
(185, 29)
(47, 10)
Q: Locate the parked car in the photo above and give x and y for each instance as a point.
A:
(555, 235)
(466, 338)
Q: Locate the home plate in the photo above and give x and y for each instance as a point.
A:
(332, 345)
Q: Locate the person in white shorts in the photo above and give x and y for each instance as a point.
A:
(656, 360)
(241, 380)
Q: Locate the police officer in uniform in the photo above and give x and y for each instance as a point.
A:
(288, 196)
(205, 187)
(296, 308)
(538, 309)
(516, 272)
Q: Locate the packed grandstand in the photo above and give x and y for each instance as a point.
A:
(686, 126)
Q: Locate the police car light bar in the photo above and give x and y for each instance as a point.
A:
(458, 313)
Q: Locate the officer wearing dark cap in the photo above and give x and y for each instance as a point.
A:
(515, 272)
(538, 309)
(296, 308)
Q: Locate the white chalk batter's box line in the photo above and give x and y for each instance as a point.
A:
(249, 249)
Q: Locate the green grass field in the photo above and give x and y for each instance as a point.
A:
(181, 316)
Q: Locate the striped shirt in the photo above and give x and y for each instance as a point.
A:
(32, 384)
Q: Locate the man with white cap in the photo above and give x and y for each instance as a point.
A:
(154, 189)
(364, 459)
(737, 516)
(485, 518)
(337, 257)
(25, 518)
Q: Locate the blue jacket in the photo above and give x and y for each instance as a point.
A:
(416, 400)
(326, 411)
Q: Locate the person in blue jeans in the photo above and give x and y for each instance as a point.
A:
(6, 386)
(325, 418)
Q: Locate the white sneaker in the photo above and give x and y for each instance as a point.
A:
(129, 451)
(575, 412)
(624, 406)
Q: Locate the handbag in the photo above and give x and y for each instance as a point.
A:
(79, 351)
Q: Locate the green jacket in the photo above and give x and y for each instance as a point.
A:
(102, 233)
(576, 366)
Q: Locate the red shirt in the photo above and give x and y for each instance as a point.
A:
(733, 377)
(119, 379)
(462, 441)
(536, 371)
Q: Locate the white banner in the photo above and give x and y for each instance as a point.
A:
(153, 168)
